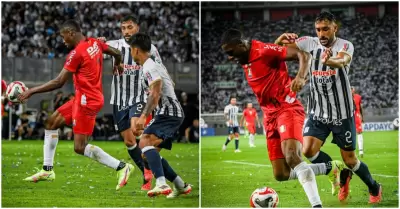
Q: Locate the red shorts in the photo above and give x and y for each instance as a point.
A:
(287, 125)
(82, 118)
(251, 127)
(358, 122)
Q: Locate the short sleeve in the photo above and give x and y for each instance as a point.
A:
(151, 74)
(273, 51)
(73, 61)
(226, 110)
(155, 55)
(304, 43)
(348, 48)
(103, 45)
(245, 113)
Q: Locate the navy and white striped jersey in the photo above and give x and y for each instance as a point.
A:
(168, 104)
(232, 111)
(127, 88)
(330, 95)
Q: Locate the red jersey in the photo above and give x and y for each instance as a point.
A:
(357, 103)
(250, 115)
(268, 76)
(86, 62)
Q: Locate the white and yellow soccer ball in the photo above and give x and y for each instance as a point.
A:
(14, 89)
(264, 198)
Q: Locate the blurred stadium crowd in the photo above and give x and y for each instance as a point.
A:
(30, 29)
(374, 69)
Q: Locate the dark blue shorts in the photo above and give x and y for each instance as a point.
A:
(122, 115)
(165, 128)
(343, 131)
(233, 130)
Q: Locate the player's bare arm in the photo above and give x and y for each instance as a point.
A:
(304, 64)
(152, 102)
(117, 58)
(287, 39)
(56, 83)
(242, 120)
(341, 60)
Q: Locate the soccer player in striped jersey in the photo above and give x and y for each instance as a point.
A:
(231, 112)
(330, 106)
(128, 96)
(358, 118)
(167, 118)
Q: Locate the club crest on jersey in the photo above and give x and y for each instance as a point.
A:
(282, 128)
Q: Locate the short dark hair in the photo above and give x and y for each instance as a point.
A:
(130, 18)
(231, 36)
(142, 41)
(71, 24)
(325, 16)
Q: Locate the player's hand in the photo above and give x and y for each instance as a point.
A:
(103, 39)
(230, 122)
(241, 125)
(286, 38)
(297, 84)
(118, 69)
(24, 96)
(259, 126)
(140, 123)
(326, 55)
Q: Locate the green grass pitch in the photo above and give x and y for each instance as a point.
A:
(82, 182)
(229, 178)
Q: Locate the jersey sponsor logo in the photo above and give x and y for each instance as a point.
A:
(93, 50)
(306, 129)
(71, 55)
(323, 73)
(324, 80)
(274, 47)
(301, 39)
(132, 67)
(335, 122)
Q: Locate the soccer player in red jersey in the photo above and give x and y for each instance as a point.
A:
(358, 120)
(266, 72)
(85, 64)
(250, 114)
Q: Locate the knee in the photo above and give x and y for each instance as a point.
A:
(350, 161)
(309, 152)
(292, 158)
(144, 141)
(79, 148)
(279, 176)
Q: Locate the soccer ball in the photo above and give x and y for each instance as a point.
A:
(14, 89)
(264, 198)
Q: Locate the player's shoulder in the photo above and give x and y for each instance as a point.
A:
(344, 44)
(345, 41)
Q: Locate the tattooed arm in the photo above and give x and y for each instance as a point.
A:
(153, 98)
(115, 53)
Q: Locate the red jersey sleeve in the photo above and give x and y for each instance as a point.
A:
(103, 45)
(245, 113)
(274, 52)
(73, 61)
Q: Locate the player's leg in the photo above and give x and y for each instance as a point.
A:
(229, 138)
(344, 136)
(360, 139)
(252, 130)
(289, 125)
(160, 133)
(60, 117)
(236, 135)
(84, 121)
(314, 136)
